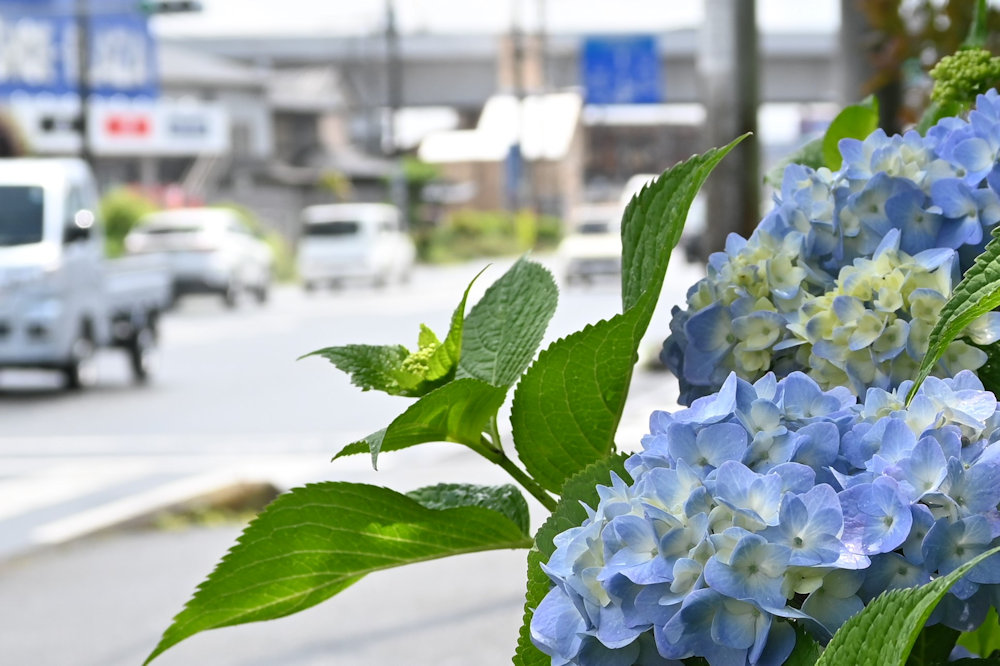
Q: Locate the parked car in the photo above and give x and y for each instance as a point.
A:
(362, 241)
(60, 298)
(208, 250)
(592, 247)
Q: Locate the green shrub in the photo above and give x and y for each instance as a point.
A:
(120, 209)
(469, 234)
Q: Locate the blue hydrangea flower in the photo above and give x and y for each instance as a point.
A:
(714, 550)
(846, 275)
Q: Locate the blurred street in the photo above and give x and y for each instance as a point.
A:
(229, 403)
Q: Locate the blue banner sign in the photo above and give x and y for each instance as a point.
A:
(39, 48)
(621, 70)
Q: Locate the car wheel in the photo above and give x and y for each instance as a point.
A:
(81, 370)
(141, 350)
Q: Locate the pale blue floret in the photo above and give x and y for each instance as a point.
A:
(809, 526)
(877, 517)
(836, 600)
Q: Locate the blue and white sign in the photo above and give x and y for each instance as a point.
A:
(39, 50)
(621, 70)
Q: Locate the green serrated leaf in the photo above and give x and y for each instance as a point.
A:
(568, 404)
(985, 640)
(315, 541)
(369, 366)
(653, 221)
(457, 412)
(503, 330)
(977, 294)
(933, 645)
(505, 499)
(568, 513)
(853, 122)
(884, 632)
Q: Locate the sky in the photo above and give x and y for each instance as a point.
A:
(290, 17)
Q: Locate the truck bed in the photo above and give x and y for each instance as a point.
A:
(137, 283)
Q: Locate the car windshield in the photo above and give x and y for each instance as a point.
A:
(332, 228)
(593, 228)
(20, 215)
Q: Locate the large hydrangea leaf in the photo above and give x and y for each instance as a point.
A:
(503, 330)
(568, 404)
(315, 541)
(569, 513)
(886, 630)
(653, 221)
(977, 294)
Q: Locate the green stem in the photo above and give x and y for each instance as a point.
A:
(492, 452)
(528, 483)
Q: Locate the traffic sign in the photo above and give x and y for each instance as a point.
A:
(621, 70)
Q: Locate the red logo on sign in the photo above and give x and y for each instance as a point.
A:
(127, 125)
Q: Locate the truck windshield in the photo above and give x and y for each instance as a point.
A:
(20, 215)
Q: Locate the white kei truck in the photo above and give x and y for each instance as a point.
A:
(61, 299)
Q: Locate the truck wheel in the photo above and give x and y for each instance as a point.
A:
(261, 293)
(230, 296)
(140, 354)
(81, 371)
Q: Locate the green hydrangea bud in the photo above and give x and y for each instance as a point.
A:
(417, 361)
(960, 77)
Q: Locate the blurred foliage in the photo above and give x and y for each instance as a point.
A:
(120, 209)
(337, 183)
(281, 249)
(907, 38)
(417, 173)
(469, 234)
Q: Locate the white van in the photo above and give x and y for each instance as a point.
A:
(362, 241)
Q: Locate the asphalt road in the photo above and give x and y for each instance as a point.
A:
(230, 401)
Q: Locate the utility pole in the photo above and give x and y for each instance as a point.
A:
(727, 64)
(394, 100)
(83, 76)
(515, 157)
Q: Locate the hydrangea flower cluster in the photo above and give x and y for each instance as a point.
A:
(846, 275)
(775, 503)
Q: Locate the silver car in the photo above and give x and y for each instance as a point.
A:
(208, 250)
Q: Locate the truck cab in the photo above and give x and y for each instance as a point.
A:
(58, 298)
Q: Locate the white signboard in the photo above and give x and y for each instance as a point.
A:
(161, 128)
